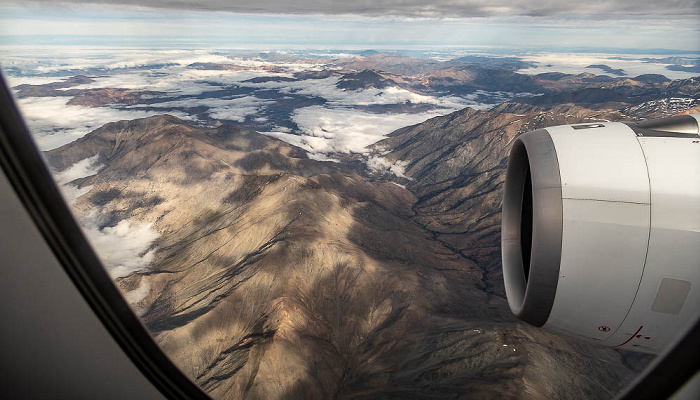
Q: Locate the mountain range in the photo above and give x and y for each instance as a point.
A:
(265, 272)
(278, 276)
(282, 85)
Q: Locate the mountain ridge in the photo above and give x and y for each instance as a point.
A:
(346, 294)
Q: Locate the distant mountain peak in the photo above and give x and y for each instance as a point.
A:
(366, 79)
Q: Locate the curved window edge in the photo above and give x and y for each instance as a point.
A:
(31, 180)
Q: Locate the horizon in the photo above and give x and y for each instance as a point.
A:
(105, 24)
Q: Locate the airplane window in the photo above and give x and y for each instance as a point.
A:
(304, 200)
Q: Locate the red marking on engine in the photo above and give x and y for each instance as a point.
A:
(631, 337)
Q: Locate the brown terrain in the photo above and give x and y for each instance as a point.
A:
(279, 277)
(97, 97)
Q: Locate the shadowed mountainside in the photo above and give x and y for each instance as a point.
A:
(275, 276)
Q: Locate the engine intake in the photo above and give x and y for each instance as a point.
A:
(601, 230)
(532, 227)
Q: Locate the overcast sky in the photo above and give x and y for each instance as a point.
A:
(434, 8)
(641, 24)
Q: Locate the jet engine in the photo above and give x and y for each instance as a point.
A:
(601, 230)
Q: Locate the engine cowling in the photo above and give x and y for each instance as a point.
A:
(601, 230)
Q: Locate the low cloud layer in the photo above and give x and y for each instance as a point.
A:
(81, 169)
(328, 90)
(238, 109)
(123, 248)
(420, 8)
(133, 297)
(86, 167)
(335, 127)
(233, 109)
(329, 130)
(382, 165)
(53, 123)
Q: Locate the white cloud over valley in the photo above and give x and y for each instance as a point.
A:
(53, 123)
(382, 165)
(81, 169)
(337, 130)
(123, 248)
(335, 127)
(327, 89)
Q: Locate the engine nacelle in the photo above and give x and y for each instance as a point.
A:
(601, 230)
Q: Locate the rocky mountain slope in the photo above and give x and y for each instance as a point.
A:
(275, 276)
(366, 79)
(616, 93)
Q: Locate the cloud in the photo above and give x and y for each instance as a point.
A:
(234, 109)
(335, 130)
(122, 248)
(53, 123)
(526, 24)
(71, 193)
(138, 294)
(81, 169)
(176, 80)
(160, 70)
(327, 89)
(107, 58)
(381, 164)
(237, 109)
(419, 8)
